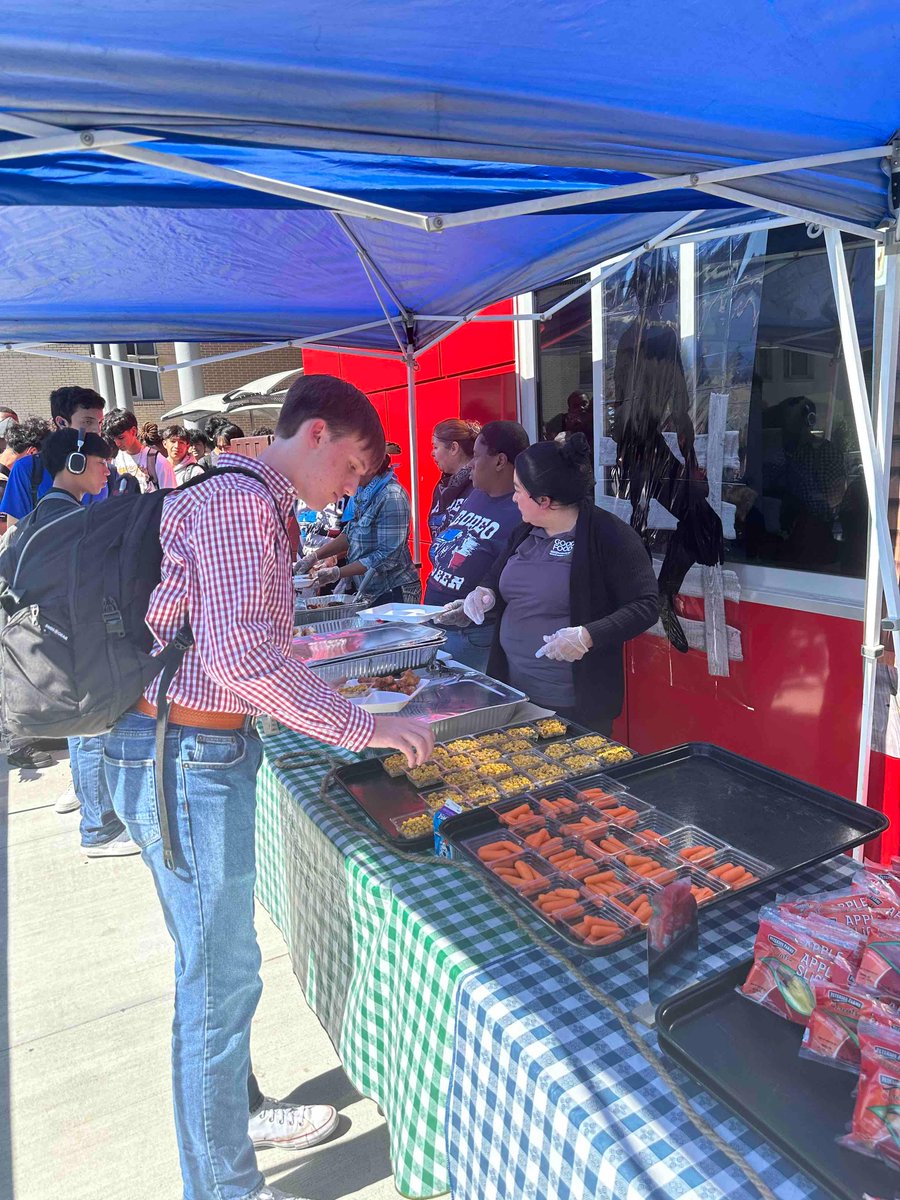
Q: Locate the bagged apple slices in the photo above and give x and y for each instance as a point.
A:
(832, 1035)
(875, 1128)
(791, 953)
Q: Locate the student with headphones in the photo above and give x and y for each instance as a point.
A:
(78, 464)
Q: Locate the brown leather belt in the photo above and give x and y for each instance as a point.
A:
(180, 715)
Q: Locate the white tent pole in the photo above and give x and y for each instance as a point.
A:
(887, 334)
(391, 355)
(605, 272)
(791, 210)
(32, 348)
(366, 257)
(666, 183)
(242, 179)
(413, 448)
(65, 143)
(868, 450)
(710, 235)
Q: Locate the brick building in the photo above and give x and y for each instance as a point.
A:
(26, 380)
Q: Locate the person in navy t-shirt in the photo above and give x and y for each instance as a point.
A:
(70, 408)
(475, 533)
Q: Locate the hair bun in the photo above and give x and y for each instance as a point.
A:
(576, 449)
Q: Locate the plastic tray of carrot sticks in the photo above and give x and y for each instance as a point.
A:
(588, 861)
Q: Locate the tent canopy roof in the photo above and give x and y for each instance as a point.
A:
(436, 121)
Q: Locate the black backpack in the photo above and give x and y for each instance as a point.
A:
(75, 584)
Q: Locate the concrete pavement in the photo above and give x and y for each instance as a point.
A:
(85, 1012)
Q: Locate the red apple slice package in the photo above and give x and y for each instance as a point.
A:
(832, 1035)
(875, 1128)
(879, 969)
(791, 953)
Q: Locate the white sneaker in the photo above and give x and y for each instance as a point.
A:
(271, 1193)
(67, 802)
(119, 846)
(291, 1126)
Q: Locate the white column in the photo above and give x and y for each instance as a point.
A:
(122, 391)
(190, 379)
(103, 381)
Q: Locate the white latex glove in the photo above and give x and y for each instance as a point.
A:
(566, 645)
(327, 575)
(452, 614)
(477, 603)
(306, 563)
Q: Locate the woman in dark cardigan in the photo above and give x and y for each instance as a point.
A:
(573, 586)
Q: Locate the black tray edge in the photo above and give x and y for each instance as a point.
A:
(682, 1004)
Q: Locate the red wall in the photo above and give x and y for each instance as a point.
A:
(470, 374)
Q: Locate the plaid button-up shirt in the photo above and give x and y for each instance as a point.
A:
(227, 568)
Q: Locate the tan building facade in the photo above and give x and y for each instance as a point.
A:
(26, 380)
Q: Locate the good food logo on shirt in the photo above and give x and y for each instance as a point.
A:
(562, 548)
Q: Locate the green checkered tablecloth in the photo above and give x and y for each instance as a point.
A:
(379, 944)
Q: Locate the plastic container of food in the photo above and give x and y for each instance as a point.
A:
(655, 828)
(695, 846)
(652, 865)
(513, 785)
(414, 825)
(524, 873)
(605, 877)
(705, 887)
(726, 861)
(557, 801)
(570, 855)
(548, 774)
(583, 822)
(520, 814)
(478, 793)
(494, 771)
(596, 923)
(429, 775)
(502, 839)
(435, 799)
(637, 902)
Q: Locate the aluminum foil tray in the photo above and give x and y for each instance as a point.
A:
(337, 625)
(388, 663)
(458, 705)
(368, 638)
(346, 606)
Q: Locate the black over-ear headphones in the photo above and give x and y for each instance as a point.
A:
(76, 463)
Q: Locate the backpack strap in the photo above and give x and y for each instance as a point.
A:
(212, 472)
(173, 653)
(37, 477)
(152, 456)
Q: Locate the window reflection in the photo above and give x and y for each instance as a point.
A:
(564, 364)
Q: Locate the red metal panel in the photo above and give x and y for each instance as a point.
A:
(884, 795)
(793, 703)
(477, 346)
(488, 397)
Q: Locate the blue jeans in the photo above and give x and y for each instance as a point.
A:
(471, 645)
(99, 822)
(207, 901)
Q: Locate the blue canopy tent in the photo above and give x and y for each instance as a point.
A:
(369, 175)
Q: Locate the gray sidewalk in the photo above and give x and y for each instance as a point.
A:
(85, 1013)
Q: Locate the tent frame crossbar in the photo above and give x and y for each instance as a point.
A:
(704, 181)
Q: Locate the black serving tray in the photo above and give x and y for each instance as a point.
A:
(747, 1056)
(766, 814)
(763, 812)
(384, 798)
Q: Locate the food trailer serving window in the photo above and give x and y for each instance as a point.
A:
(743, 329)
